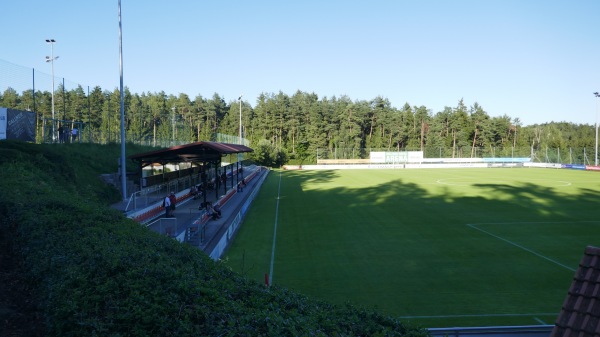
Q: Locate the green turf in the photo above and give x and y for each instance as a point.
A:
(439, 247)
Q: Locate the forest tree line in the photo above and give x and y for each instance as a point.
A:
(298, 128)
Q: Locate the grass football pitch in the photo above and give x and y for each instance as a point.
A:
(435, 247)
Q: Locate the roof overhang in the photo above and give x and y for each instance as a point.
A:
(193, 152)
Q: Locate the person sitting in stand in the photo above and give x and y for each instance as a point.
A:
(217, 209)
(194, 192)
(212, 213)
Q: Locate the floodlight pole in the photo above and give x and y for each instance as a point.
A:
(122, 99)
(239, 155)
(240, 134)
(173, 124)
(596, 146)
(51, 59)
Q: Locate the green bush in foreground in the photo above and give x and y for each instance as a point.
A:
(96, 273)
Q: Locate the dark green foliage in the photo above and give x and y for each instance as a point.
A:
(332, 127)
(96, 273)
(265, 154)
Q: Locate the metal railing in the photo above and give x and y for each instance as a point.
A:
(495, 331)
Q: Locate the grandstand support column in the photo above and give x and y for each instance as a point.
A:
(203, 183)
(232, 177)
(215, 177)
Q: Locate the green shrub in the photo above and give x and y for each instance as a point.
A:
(97, 273)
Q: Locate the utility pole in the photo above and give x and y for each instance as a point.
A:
(596, 146)
(51, 59)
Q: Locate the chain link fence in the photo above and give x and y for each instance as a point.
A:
(581, 156)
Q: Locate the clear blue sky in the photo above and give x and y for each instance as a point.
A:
(536, 60)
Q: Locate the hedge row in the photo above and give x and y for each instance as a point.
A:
(96, 273)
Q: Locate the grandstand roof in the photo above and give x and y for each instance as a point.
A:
(580, 314)
(193, 152)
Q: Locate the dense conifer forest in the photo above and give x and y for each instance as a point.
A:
(303, 126)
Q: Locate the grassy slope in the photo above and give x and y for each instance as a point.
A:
(87, 271)
(399, 240)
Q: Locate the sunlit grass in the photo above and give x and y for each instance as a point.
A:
(400, 240)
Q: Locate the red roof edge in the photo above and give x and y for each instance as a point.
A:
(580, 313)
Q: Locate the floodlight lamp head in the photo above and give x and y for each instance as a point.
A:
(50, 40)
(597, 94)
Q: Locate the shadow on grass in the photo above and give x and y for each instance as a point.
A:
(402, 245)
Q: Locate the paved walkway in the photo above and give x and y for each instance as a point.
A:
(191, 225)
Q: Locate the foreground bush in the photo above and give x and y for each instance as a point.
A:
(95, 273)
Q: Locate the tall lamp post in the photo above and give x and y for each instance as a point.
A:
(173, 124)
(240, 134)
(122, 99)
(51, 59)
(596, 147)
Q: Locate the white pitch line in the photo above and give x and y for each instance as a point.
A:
(480, 315)
(274, 233)
(519, 246)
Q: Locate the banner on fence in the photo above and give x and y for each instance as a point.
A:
(3, 123)
(396, 157)
(573, 166)
(17, 124)
(506, 160)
